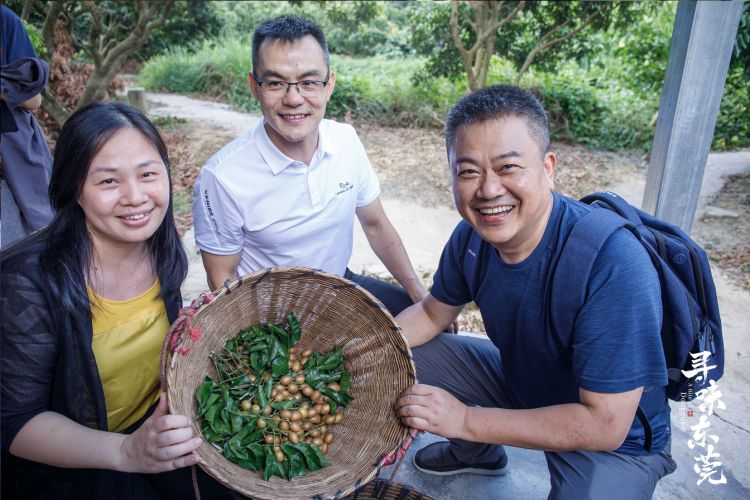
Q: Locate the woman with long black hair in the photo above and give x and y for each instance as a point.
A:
(85, 304)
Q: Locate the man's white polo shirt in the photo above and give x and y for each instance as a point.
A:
(252, 198)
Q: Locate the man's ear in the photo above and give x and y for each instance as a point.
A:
(550, 162)
(330, 86)
(253, 86)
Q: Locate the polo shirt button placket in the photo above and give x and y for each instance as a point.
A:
(312, 187)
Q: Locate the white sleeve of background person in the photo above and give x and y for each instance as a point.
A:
(217, 221)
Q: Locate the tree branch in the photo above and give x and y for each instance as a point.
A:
(113, 59)
(58, 113)
(48, 28)
(485, 24)
(545, 45)
(26, 9)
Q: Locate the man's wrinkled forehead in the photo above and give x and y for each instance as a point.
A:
(534, 131)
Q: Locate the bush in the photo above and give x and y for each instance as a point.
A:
(732, 125)
(218, 69)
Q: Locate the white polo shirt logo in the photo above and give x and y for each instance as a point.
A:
(344, 187)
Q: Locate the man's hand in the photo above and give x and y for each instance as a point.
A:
(164, 442)
(431, 409)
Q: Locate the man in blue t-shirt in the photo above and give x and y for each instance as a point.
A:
(576, 399)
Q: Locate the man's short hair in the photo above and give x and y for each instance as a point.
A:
(499, 101)
(288, 29)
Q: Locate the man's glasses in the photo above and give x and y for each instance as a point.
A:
(306, 88)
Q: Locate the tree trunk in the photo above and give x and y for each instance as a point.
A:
(547, 41)
(486, 22)
(109, 61)
(54, 108)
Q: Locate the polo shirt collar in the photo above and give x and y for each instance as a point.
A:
(278, 161)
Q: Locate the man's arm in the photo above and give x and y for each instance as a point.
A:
(600, 422)
(219, 268)
(424, 320)
(389, 248)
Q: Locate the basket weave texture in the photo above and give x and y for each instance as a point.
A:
(332, 312)
(382, 489)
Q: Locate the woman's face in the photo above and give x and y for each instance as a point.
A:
(126, 192)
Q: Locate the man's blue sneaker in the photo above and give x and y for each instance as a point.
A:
(438, 458)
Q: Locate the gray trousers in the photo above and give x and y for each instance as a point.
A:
(470, 369)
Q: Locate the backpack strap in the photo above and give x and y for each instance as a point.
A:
(573, 270)
(570, 282)
(615, 203)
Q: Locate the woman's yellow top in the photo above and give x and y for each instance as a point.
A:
(127, 342)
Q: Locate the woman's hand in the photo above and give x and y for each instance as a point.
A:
(162, 443)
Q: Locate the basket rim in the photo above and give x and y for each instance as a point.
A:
(204, 302)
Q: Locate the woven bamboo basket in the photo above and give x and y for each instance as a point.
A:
(332, 312)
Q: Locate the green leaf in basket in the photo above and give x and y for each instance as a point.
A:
(204, 391)
(345, 382)
(293, 327)
(246, 463)
(322, 458)
(271, 464)
(314, 458)
(297, 464)
(255, 362)
(213, 410)
(218, 424)
(237, 423)
(254, 437)
(284, 405)
(206, 400)
(265, 393)
(315, 360)
(281, 335)
(231, 345)
(234, 448)
(333, 361)
(340, 398)
(211, 435)
(313, 376)
(259, 345)
(256, 454)
(279, 356)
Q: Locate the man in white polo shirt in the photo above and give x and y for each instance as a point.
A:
(286, 193)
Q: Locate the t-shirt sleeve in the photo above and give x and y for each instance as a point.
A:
(617, 340)
(368, 187)
(449, 283)
(217, 219)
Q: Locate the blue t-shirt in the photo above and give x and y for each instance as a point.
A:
(615, 345)
(14, 41)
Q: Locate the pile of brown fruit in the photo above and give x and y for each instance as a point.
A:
(273, 405)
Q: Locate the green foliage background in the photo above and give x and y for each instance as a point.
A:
(395, 65)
